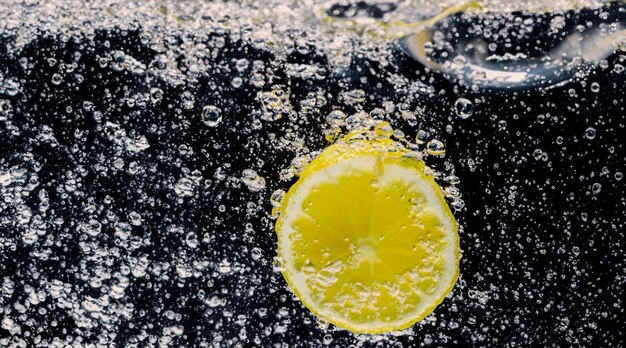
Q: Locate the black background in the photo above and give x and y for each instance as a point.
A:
(545, 268)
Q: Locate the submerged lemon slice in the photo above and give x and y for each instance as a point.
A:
(365, 237)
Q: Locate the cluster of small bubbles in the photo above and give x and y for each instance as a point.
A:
(540, 155)
(305, 71)
(358, 120)
(336, 118)
(409, 117)
(452, 179)
(513, 193)
(252, 180)
(188, 184)
(120, 61)
(225, 266)
(298, 164)
(451, 192)
(10, 87)
(463, 108)
(276, 199)
(211, 115)
(188, 100)
(275, 104)
(6, 109)
(353, 97)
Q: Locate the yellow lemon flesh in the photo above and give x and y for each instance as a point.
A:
(365, 237)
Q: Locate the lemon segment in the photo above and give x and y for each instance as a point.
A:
(366, 239)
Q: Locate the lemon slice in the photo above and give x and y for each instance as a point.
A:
(365, 237)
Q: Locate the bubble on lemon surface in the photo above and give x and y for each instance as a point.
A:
(435, 147)
(336, 118)
(421, 137)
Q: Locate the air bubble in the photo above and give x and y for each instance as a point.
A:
(214, 302)
(328, 339)
(211, 115)
(435, 148)
(242, 65)
(464, 108)
(156, 94)
(135, 218)
(277, 264)
(236, 82)
(191, 240)
(383, 130)
(596, 188)
(590, 133)
(57, 79)
(421, 137)
(377, 114)
(336, 118)
(256, 253)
